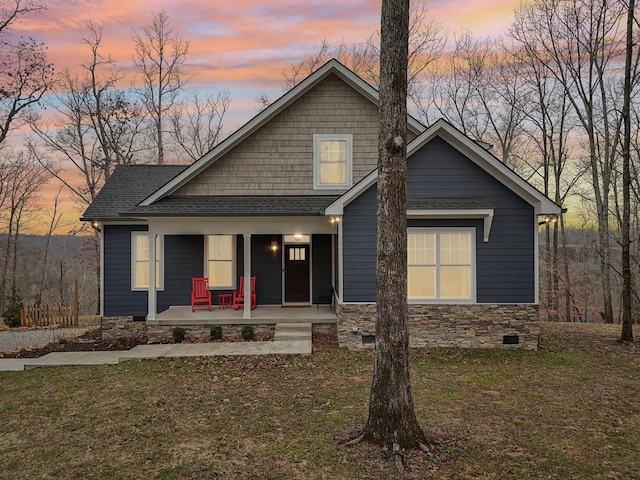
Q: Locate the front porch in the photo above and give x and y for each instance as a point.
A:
(262, 315)
(264, 320)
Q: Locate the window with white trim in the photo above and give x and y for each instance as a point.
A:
(332, 161)
(441, 264)
(140, 261)
(220, 265)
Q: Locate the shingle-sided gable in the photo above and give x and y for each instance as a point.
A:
(277, 159)
(262, 120)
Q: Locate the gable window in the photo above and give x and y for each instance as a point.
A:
(220, 261)
(441, 264)
(140, 261)
(332, 161)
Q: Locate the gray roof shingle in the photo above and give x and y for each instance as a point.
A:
(235, 206)
(128, 186)
(453, 203)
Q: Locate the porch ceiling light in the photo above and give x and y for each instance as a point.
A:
(334, 219)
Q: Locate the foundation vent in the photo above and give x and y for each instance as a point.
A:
(368, 339)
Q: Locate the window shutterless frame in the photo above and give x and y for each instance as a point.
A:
(140, 261)
(332, 161)
(220, 261)
(443, 260)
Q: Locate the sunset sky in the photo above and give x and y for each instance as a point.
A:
(240, 45)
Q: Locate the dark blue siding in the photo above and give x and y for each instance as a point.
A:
(118, 297)
(504, 266)
(321, 267)
(359, 249)
(183, 260)
(267, 267)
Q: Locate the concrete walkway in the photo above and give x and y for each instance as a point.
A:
(294, 340)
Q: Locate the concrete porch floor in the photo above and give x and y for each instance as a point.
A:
(182, 315)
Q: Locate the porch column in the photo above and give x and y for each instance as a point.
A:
(247, 276)
(152, 305)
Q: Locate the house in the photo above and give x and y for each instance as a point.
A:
(290, 198)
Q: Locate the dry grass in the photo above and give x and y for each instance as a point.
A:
(569, 411)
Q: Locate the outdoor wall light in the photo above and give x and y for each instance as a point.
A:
(274, 247)
(334, 219)
(95, 225)
(548, 220)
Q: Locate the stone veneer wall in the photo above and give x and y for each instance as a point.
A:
(466, 326)
(113, 328)
(164, 333)
(124, 326)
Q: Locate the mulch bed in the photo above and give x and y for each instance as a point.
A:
(91, 341)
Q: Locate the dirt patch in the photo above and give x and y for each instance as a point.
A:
(88, 341)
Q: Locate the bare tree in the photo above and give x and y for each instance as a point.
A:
(24, 179)
(95, 126)
(160, 56)
(630, 71)
(115, 119)
(549, 122)
(197, 125)
(450, 92)
(11, 11)
(479, 89)
(578, 41)
(25, 73)
(392, 420)
(70, 139)
(427, 40)
(56, 218)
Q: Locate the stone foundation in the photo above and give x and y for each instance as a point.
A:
(465, 326)
(124, 326)
(113, 328)
(164, 333)
(324, 328)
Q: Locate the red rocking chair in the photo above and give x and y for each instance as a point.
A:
(200, 293)
(238, 295)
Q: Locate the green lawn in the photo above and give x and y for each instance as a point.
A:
(568, 411)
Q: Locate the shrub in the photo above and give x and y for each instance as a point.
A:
(216, 333)
(247, 332)
(178, 334)
(12, 313)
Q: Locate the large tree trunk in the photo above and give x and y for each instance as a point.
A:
(392, 421)
(567, 275)
(627, 313)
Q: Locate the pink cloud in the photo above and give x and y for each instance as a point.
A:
(243, 45)
(239, 37)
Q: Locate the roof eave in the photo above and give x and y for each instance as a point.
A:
(543, 205)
